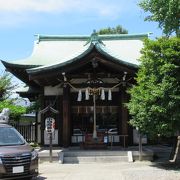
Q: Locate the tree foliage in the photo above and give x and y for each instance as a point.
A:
(6, 89)
(15, 110)
(6, 85)
(34, 106)
(165, 12)
(155, 99)
(117, 30)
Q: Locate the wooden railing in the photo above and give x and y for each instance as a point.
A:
(107, 139)
(27, 131)
(112, 139)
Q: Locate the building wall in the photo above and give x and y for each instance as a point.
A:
(52, 91)
(54, 95)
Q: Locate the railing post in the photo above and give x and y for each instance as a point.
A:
(111, 141)
(124, 141)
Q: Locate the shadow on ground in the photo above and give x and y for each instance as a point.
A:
(162, 155)
(39, 177)
(167, 166)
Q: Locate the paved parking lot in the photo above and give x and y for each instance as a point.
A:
(106, 171)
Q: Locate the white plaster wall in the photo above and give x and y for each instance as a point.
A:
(50, 90)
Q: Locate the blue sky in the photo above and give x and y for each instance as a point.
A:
(20, 20)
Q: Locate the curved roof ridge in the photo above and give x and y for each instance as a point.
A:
(41, 37)
(125, 36)
(61, 37)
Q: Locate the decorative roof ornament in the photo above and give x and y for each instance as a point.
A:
(64, 76)
(94, 39)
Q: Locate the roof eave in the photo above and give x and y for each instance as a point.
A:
(14, 65)
(42, 69)
(35, 71)
(117, 60)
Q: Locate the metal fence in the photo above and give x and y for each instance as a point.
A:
(27, 131)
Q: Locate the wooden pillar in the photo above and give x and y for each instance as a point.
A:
(124, 114)
(42, 117)
(66, 117)
(36, 127)
(60, 120)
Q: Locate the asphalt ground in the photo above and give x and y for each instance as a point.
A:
(108, 171)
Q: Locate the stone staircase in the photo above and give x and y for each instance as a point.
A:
(92, 156)
(77, 156)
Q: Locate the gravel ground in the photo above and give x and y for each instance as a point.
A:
(106, 171)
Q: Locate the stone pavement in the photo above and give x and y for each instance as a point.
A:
(162, 152)
(106, 171)
(144, 170)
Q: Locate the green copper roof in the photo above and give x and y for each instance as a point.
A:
(66, 62)
(115, 57)
(101, 48)
(93, 36)
(56, 51)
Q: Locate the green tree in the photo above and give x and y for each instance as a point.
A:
(166, 12)
(155, 99)
(117, 30)
(6, 86)
(15, 110)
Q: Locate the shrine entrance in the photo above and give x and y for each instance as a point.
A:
(83, 124)
(106, 118)
(87, 78)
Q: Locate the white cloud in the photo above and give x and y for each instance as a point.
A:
(24, 10)
(29, 5)
(51, 6)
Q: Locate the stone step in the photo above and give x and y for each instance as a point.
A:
(94, 156)
(94, 153)
(94, 159)
(81, 156)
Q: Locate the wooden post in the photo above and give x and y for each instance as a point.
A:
(124, 114)
(36, 128)
(50, 147)
(94, 126)
(175, 152)
(140, 146)
(66, 116)
(42, 117)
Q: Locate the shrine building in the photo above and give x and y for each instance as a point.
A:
(82, 82)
